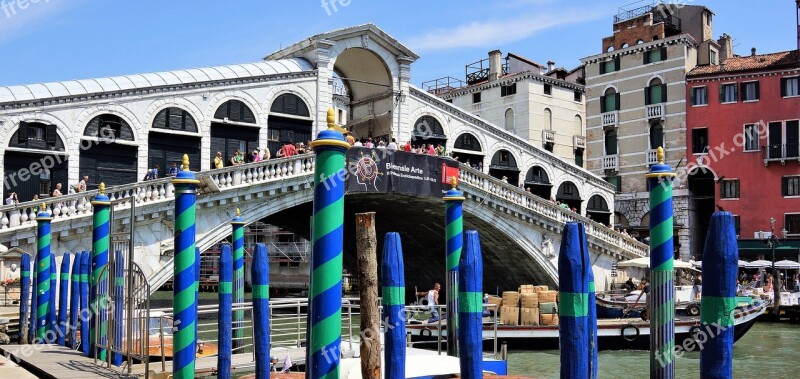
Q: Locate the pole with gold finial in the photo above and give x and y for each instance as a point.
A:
(237, 226)
(101, 225)
(662, 277)
(454, 240)
(185, 285)
(325, 296)
(43, 268)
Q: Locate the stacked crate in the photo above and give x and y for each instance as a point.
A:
(548, 306)
(529, 300)
(509, 314)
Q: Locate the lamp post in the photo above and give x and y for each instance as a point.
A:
(772, 242)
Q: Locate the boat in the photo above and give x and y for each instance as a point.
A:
(613, 334)
(620, 305)
(160, 323)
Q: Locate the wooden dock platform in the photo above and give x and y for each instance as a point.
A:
(56, 362)
(239, 362)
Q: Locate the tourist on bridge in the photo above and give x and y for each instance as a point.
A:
(218, 163)
(255, 156)
(12, 199)
(350, 139)
(369, 143)
(432, 297)
(392, 146)
(173, 170)
(57, 191)
(407, 147)
(287, 150)
(82, 184)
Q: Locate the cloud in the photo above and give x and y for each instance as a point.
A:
(19, 17)
(501, 31)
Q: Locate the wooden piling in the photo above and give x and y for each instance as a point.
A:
(366, 245)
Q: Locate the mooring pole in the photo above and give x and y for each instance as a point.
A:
(454, 240)
(224, 320)
(52, 320)
(394, 300)
(100, 243)
(63, 297)
(325, 297)
(184, 294)
(85, 313)
(43, 274)
(470, 307)
(75, 301)
(261, 336)
(119, 306)
(237, 236)
(24, 296)
(367, 260)
(662, 277)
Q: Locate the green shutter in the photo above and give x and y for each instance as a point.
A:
(616, 64)
(22, 132)
(721, 93)
(602, 68)
(664, 93)
(602, 104)
(663, 53)
(647, 95)
(616, 101)
(646, 57)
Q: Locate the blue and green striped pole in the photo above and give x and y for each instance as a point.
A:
(470, 307)
(24, 295)
(454, 240)
(32, 326)
(662, 277)
(75, 301)
(42, 274)
(260, 277)
(327, 239)
(224, 320)
(237, 236)
(185, 282)
(86, 313)
(100, 243)
(119, 306)
(63, 298)
(575, 288)
(394, 300)
(52, 320)
(718, 300)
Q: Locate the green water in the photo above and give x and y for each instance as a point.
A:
(768, 350)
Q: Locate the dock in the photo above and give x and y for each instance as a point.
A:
(56, 362)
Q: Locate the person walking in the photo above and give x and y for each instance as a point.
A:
(432, 298)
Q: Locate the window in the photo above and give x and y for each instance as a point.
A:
(657, 55)
(728, 93)
(609, 102)
(579, 157)
(792, 223)
(578, 96)
(751, 137)
(341, 117)
(737, 224)
(712, 57)
(790, 87)
(609, 66)
(750, 91)
(729, 189)
(615, 181)
(548, 119)
(508, 90)
(509, 119)
(548, 89)
(36, 132)
(476, 97)
(699, 141)
(708, 19)
(655, 93)
(504, 157)
(699, 96)
(611, 142)
(790, 186)
(656, 136)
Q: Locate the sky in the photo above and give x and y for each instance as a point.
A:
(50, 40)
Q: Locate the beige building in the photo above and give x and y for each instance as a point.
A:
(543, 105)
(636, 102)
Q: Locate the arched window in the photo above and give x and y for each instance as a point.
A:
(109, 126)
(509, 119)
(467, 141)
(568, 194)
(656, 92)
(609, 102)
(611, 141)
(36, 136)
(32, 144)
(428, 126)
(548, 119)
(174, 118)
(578, 125)
(597, 209)
(107, 161)
(290, 104)
(235, 110)
(537, 175)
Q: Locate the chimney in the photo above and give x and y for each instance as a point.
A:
(552, 65)
(495, 65)
(726, 47)
(753, 52)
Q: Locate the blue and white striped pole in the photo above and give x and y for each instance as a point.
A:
(63, 297)
(75, 301)
(575, 329)
(86, 312)
(260, 277)
(224, 321)
(470, 307)
(718, 300)
(394, 295)
(24, 295)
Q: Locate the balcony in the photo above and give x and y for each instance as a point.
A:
(611, 162)
(549, 136)
(655, 111)
(610, 119)
(652, 156)
(578, 142)
(443, 85)
(781, 153)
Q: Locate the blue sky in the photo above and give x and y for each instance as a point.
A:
(48, 40)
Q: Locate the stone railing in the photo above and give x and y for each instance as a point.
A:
(609, 118)
(473, 179)
(23, 215)
(655, 111)
(611, 162)
(651, 156)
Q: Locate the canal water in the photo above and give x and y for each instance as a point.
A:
(767, 350)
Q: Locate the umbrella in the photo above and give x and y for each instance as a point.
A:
(787, 265)
(741, 263)
(645, 263)
(759, 264)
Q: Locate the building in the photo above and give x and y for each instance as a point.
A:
(543, 105)
(743, 140)
(636, 102)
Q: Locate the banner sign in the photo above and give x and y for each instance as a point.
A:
(383, 171)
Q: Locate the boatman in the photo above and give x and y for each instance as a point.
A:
(645, 290)
(432, 297)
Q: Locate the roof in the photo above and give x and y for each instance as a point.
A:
(28, 92)
(526, 60)
(784, 59)
(370, 29)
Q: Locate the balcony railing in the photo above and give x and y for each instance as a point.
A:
(610, 119)
(655, 111)
(652, 156)
(442, 86)
(549, 136)
(578, 142)
(781, 152)
(611, 162)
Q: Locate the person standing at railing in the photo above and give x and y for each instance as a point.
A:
(218, 162)
(256, 156)
(57, 191)
(432, 298)
(267, 155)
(173, 170)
